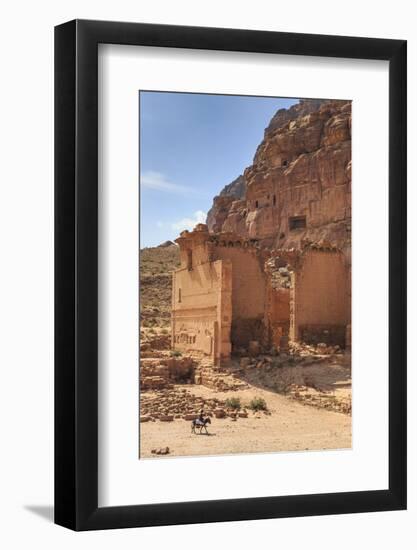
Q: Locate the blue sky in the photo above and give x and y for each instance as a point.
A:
(191, 146)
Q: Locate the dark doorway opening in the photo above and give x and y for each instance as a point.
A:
(297, 222)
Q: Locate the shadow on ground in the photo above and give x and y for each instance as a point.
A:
(324, 376)
(45, 512)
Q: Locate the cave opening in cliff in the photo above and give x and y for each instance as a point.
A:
(297, 222)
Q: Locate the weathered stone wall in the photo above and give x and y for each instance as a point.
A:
(201, 299)
(196, 298)
(219, 294)
(249, 289)
(320, 306)
(248, 281)
(232, 295)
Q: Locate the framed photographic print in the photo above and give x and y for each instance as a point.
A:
(230, 244)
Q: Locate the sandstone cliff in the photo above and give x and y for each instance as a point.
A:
(221, 204)
(298, 188)
(302, 108)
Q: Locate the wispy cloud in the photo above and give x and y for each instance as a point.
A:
(159, 182)
(189, 223)
(185, 223)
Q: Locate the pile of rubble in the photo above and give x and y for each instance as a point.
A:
(178, 403)
(321, 400)
(296, 353)
(151, 341)
(216, 378)
(270, 362)
(315, 379)
(163, 372)
(303, 350)
(280, 275)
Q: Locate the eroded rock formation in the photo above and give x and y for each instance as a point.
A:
(217, 215)
(298, 189)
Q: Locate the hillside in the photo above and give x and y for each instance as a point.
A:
(156, 264)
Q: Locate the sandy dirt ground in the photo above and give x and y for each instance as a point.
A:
(291, 426)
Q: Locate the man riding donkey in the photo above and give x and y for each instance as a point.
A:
(200, 422)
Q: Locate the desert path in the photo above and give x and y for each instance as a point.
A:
(290, 427)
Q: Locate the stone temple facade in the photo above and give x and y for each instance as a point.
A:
(231, 296)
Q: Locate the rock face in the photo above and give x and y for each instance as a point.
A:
(298, 189)
(221, 204)
(282, 116)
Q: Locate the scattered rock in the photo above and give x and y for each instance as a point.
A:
(166, 418)
(245, 362)
(168, 404)
(161, 451)
(190, 417)
(254, 348)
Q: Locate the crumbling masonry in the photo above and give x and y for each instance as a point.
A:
(231, 296)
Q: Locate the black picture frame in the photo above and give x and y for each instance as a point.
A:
(76, 272)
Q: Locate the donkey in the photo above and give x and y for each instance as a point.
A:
(196, 423)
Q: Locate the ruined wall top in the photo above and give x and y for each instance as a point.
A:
(199, 246)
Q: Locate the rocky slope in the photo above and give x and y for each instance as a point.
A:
(298, 188)
(156, 265)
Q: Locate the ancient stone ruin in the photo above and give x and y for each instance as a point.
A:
(272, 265)
(230, 296)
